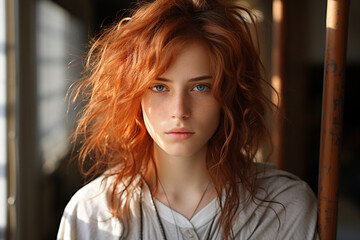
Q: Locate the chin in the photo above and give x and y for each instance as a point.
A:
(183, 151)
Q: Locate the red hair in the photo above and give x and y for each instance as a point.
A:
(124, 60)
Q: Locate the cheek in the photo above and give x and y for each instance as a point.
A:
(146, 115)
(211, 109)
(215, 118)
(151, 115)
(210, 115)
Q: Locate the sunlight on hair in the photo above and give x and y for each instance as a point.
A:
(259, 156)
(277, 10)
(244, 3)
(259, 16)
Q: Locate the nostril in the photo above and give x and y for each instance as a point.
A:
(181, 106)
(181, 115)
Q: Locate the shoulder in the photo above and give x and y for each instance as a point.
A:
(281, 186)
(278, 183)
(289, 203)
(88, 213)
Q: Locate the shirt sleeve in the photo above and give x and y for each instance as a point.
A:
(88, 216)
(291, 210)
(299, 211)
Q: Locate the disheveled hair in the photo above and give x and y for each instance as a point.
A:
(122, 63)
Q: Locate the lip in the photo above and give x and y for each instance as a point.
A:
(180, 133)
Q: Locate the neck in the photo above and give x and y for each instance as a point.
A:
(181, 173)
(183, 182)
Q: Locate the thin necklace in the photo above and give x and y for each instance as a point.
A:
(172, 213)
(197, 206)
(158, 216)
(156, 211)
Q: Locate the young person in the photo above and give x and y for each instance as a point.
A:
(174, 118)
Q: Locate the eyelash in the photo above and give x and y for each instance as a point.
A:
(153, 88)
(164, 88)
(207, 88)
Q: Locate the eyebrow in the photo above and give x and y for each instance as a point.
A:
(195, 79)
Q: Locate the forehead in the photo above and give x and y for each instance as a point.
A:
(191, 59)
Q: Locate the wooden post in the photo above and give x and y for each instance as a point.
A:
(332, 116)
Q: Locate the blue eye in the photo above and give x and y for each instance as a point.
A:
(201, 88)
(158, 88)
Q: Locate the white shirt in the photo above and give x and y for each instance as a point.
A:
(291, 214)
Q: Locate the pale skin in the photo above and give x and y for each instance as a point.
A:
(181, 115)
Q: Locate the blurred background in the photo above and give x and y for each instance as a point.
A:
(42, 43)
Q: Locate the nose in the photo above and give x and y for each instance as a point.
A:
(181, 106)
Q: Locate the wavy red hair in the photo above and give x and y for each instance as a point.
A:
(126, 57)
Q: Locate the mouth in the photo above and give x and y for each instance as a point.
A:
(180, 133)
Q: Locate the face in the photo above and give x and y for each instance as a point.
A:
(179, 109)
